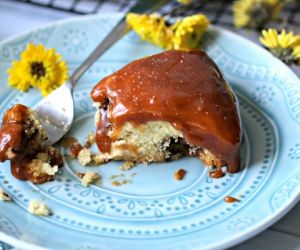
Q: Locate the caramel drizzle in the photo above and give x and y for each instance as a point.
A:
(230, 199)
(216, 174)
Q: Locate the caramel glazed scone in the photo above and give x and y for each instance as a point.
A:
(166, 106)
(21, 139)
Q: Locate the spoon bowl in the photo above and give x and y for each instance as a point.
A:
(56, 112)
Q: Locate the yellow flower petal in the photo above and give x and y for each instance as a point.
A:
(269, 38)
(189, 31)
(151, 28)
(273, 38)
(185, 33)
(285, 46)
(18, 77)
(184, 1)
(38, 67)
(254, 13)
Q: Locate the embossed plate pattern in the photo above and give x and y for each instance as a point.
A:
(155, 211)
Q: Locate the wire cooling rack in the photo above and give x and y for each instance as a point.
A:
(219, 11)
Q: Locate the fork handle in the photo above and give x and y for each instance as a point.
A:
(119, 31)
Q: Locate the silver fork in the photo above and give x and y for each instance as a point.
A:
(56, 111)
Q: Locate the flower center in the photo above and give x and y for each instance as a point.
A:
(38, 69)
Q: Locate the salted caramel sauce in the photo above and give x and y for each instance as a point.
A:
(230, 199)
(14, 141)
(21, 170)
(103, 141)
(11, 131)
(184, 88)
(76, 148)
(12, 137)
(218, 173)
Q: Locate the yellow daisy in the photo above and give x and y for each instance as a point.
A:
(283, 45)
(184, 34)
(189, 31)
(38, 67)
(151, 28)
(255, 13)
(184, 1)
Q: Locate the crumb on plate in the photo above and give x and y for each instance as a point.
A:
(127, 165)
(126, 181)
(88, 178)
(38, 208)
(4, 196)
(133, 174)
(84, 156)
(101, 158)
(91, 139)
(116, 183)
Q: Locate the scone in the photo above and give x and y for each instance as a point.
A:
(166, 106)
(21, 141)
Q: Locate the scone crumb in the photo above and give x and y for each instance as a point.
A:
(179, 174)
(80, 175)
(101, 158)
(4, 196)
(91, 139)
(114, 176)
(38, 208)
(48, 169)
(10, 154)
(116, 183)
(121, 179)
(84, 157)
(125, 181)
(88, 178)
(127, 165)
(68, 141)
(41, 168)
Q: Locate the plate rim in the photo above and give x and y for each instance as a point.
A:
(260, 226)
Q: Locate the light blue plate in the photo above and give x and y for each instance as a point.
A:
(155, 211)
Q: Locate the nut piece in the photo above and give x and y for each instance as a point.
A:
(179, 174)
(127, 165)
(4, 196)
(88, 178)
(38, 208)
(84, 157)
